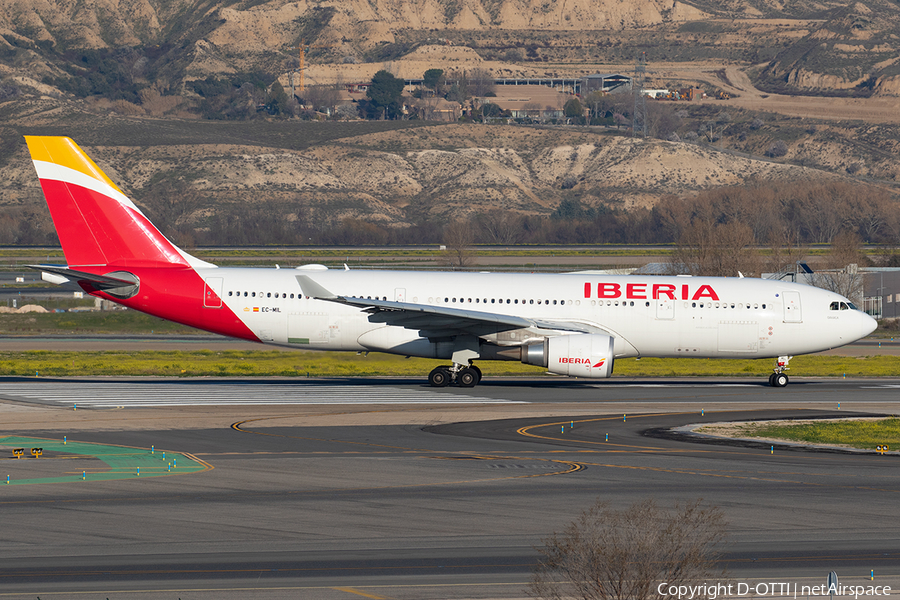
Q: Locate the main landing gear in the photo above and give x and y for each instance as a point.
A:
(779, 378)
(463, 376)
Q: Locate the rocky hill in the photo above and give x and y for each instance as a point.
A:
(797, 46)
(403, 173)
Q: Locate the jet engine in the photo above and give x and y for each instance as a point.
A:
(577, 355)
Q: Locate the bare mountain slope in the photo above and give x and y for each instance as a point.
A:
(399, 177)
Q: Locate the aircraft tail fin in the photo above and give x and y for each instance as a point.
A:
(97, 224)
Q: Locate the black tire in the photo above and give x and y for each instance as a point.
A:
(780, 380)
(478, 371)
(467, 377)
(772, 379)
(439, 377)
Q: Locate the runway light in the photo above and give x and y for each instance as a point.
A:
(702, 412)
(572, 425)
(164, 457)
(83, 475)
(152, 449)
(64, 440)
(562, 429)
(839, 406)
(139, 471)
(75, 406)
(772, 451)
(623, 417)
(607, 437)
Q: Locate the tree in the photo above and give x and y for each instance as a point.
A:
(573, 109)
(433, 78)
(841, 273)
(777, 149)
(490, 109)
(322, 97)
(278, 100)
(459, 237)
(481, 82)
(608, 554)
(707, 248)
(384, 95)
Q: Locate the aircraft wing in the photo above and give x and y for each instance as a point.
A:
(437, 321)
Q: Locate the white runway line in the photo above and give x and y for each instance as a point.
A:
(109, 395)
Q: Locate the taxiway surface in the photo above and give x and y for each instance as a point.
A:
(445, 496)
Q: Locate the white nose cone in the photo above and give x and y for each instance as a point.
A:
(867, 324)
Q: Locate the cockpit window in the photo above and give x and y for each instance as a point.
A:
(851, 305)
(842, 306)
(835, 306)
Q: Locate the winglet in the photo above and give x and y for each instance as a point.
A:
(314, 290)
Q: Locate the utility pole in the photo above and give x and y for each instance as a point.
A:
(639, 114)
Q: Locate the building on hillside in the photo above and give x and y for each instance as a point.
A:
(531, 102)
(605, 82)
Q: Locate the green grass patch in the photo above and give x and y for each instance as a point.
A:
(856, 434)
(266, 363)
(124, 322)
(810, 366)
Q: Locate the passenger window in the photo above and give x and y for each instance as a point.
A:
(253, 294)
(229, 293)
(245, 294)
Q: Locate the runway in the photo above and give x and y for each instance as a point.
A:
(444, 498)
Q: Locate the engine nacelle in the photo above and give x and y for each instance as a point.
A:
(577, 355)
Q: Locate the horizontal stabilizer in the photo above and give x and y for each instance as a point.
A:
(100, 282)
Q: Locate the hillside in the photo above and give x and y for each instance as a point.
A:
(401, 173)
(806, 46)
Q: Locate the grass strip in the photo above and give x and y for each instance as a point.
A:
(265, 363)
(865, 434)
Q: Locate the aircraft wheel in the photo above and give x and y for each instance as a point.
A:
(478, 371)
(439, 377)
(780, 380)
(772, 379)
(467, 377)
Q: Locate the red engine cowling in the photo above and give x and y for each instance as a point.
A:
(577, 355)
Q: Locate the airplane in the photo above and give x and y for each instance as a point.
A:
(575, 324)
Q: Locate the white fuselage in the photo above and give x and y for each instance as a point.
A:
(699, 317)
